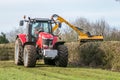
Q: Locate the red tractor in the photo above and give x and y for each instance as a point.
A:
(39, 42)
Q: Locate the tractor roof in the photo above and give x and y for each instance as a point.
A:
(42, 19)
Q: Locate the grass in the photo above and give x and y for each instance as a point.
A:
(9, 71)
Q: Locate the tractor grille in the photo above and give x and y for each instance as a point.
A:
(47, 42)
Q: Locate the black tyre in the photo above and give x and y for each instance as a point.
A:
(29, 56)
(62, 59)
(49, 61)
(18, 52)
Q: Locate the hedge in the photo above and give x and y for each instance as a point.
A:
(91, 54)
(95, 54)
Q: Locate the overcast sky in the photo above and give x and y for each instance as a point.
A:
(11, 11)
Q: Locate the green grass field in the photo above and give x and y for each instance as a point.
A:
(9, 71)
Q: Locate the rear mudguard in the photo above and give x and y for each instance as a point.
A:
(22, 38)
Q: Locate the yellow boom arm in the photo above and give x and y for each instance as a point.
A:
(82, 36)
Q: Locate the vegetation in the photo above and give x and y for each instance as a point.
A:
(95, 54)
(6, 51)
(92, 54)
(9, 71)
(3, 38)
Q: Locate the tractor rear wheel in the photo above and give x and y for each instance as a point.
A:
(18, 52)
(62, 59)
(29, 56)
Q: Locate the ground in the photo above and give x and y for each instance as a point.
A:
(9, 71)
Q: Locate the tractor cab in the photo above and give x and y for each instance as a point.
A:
(36, 26)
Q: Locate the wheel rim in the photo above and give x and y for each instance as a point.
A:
(16, 52)
(25, 57)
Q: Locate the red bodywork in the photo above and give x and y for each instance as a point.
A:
(22, 38)
(42, 35)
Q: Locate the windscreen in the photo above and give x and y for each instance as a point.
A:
(41, 26)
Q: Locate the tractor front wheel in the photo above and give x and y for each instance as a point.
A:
(62, 59)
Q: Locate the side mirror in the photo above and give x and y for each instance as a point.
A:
(21, 23)
(59, 25)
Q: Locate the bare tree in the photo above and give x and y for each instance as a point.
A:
(12, 34)
(114, 35)
(97, 28)
(68, 34)
(100, 27)
(83, 23)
